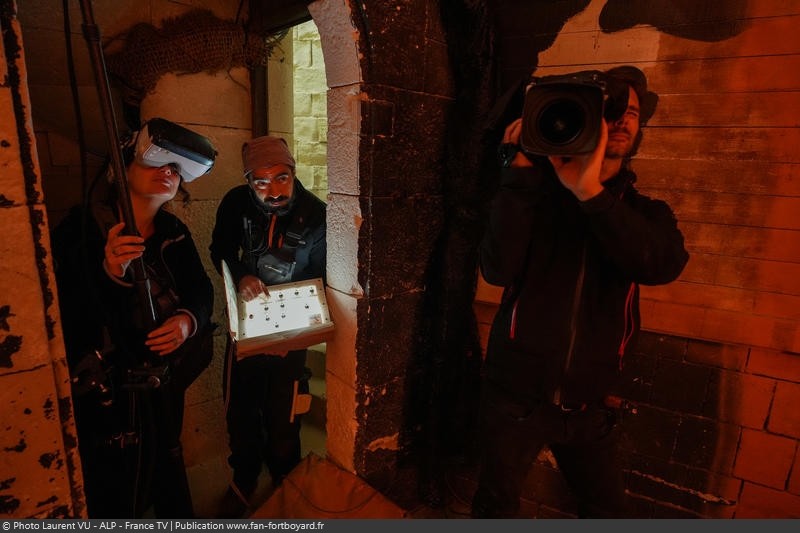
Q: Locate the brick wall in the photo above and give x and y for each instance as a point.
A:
(721, 438)
(310, 109)
(716, 431)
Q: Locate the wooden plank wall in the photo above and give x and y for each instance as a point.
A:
(723, 149)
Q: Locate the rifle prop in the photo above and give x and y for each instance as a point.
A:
(92, 35)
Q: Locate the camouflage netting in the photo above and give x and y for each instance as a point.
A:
(196, 41)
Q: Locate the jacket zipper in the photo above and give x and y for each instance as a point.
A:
(513, 331)
(574, 319)
(576, 303)
(627, 334)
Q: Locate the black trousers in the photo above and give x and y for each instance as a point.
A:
(584, 443)
(132, 456)
(259, 392)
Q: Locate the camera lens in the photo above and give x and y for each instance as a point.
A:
(562, 116)
(562, 122)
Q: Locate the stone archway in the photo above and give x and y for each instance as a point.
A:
(343, 72)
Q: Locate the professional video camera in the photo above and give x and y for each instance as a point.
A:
(562, 114)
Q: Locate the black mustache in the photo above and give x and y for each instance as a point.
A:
(281, 198)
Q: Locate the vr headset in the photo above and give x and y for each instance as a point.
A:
(161, 142)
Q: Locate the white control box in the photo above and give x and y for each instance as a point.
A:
(293, 316)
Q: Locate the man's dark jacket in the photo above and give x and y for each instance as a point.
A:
(241, 248)
(571, 272)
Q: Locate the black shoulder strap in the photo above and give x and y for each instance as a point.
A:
(298, 226)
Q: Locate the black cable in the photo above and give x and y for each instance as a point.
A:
(76, 102)
(239, 10)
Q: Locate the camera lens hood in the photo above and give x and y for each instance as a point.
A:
(562, 114)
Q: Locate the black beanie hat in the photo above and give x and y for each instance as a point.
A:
(637, 80)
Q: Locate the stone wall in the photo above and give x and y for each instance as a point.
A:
(310, 109)
(715, 434)
(40, 472)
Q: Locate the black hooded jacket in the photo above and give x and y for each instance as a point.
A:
(244, 232)
(571, 272)
(98, 311)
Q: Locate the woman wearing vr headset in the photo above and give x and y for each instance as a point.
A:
(128, 376)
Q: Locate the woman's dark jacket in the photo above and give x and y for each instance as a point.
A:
(100, 312)
(571, 272)
(244, 234)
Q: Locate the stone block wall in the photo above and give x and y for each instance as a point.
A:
(310, 109)
(40, 472)
(715, 432)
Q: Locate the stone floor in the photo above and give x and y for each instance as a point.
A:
(209, 481)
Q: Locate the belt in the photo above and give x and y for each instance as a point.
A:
(610, 401)
(569, 407)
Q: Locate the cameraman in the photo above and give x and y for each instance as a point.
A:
(570, 239)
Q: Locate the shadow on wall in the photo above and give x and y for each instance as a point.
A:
(206, 44)
(524, 30)
(698, 20)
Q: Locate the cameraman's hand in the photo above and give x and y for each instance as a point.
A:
(168, 337)
(251, 286)
(511, 136)
(581, 173)
(120, 250)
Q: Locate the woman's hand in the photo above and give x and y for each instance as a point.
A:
(251, 286)
(120, 250)
(168, 337)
